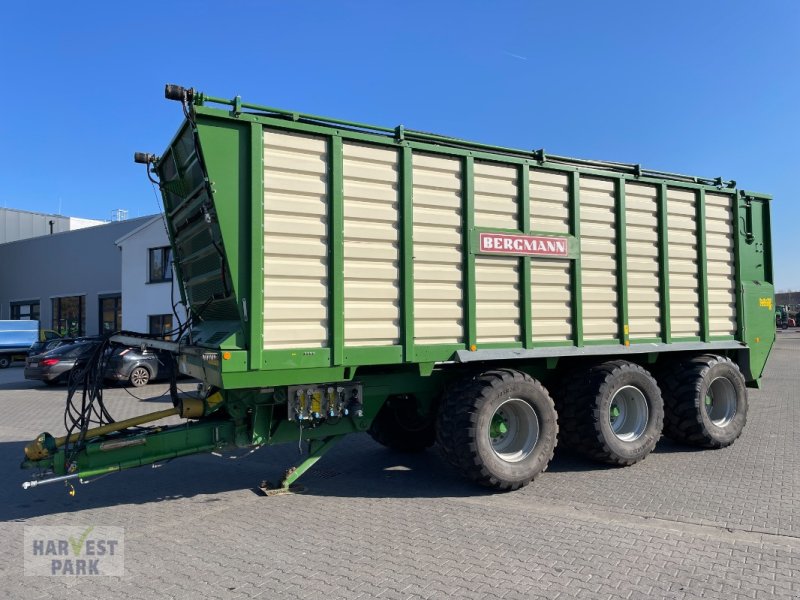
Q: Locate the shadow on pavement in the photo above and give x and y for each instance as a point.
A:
(28, 384)
(184, 478)
(566, 461)
(667, 446)
(356, 468)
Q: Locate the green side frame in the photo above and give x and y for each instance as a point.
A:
(238, 193)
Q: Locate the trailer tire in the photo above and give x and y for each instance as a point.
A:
(400, 427)
(612, 413)
(693, 415)
(5, 362)
(498, 429)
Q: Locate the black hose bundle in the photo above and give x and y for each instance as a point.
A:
(88, 409)
(89, 379)
(85, 407)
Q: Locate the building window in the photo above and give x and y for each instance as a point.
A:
(25, 311)
(69, 315)
(110, 314)
(160, 265)
(161, 325)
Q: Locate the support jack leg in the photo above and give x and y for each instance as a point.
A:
(316, 450)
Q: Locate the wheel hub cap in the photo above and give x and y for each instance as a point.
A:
(498, 428)
(514, 430)
(720, 402)
(628, 414)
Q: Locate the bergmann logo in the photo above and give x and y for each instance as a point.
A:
(522, 245)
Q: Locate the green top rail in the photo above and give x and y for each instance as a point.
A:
(192, 97)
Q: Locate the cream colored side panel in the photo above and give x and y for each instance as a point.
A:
(721, 270)
(641, 218)
(495, 197)
(295, 241)
(497, 299)
(438, 305)
(371, 246)
(598, 259)
(551, 316)
(684, 298)
(549, 194)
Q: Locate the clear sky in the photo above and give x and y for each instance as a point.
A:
(708, 88)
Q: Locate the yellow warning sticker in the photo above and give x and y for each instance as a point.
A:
(765, 303)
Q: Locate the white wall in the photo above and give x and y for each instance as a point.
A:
(140, 298)
(78, 223)
(22, 224)
(71, 263)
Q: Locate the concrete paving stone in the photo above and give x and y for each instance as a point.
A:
(681, 524)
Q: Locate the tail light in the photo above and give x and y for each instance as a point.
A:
(49, 362)
(124, 352)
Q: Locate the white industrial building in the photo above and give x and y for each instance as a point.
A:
(22, 224)
(149, 289)
(91, 280)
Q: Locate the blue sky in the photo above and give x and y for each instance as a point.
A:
(705, 88)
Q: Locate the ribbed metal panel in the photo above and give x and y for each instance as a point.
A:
(438, 259)
(295, 241)
(198, 244)
(497, 299)
(551, 319)
(371, 250)
(495, 196)
(549, 197)
(641, 218)
(684, 292)
(598, 259)
(721, 265)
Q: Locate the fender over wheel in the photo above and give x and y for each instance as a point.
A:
(498, 429)
(612, 412)
(706, 402)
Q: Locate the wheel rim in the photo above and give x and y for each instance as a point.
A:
(628, 413)
(514, 430)
(720, 402)
(139, 377)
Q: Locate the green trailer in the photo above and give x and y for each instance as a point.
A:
(342, 278)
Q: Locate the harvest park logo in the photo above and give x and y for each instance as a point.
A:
(525, 245)
(74, 551)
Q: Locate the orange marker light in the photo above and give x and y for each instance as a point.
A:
(226, 356)
(473, 348)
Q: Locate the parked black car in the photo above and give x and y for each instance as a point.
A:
(138, 367)
(47, 345)
(55, 366)
(53, 343)
(125, 364)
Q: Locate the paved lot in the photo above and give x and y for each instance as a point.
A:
(375, 524)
